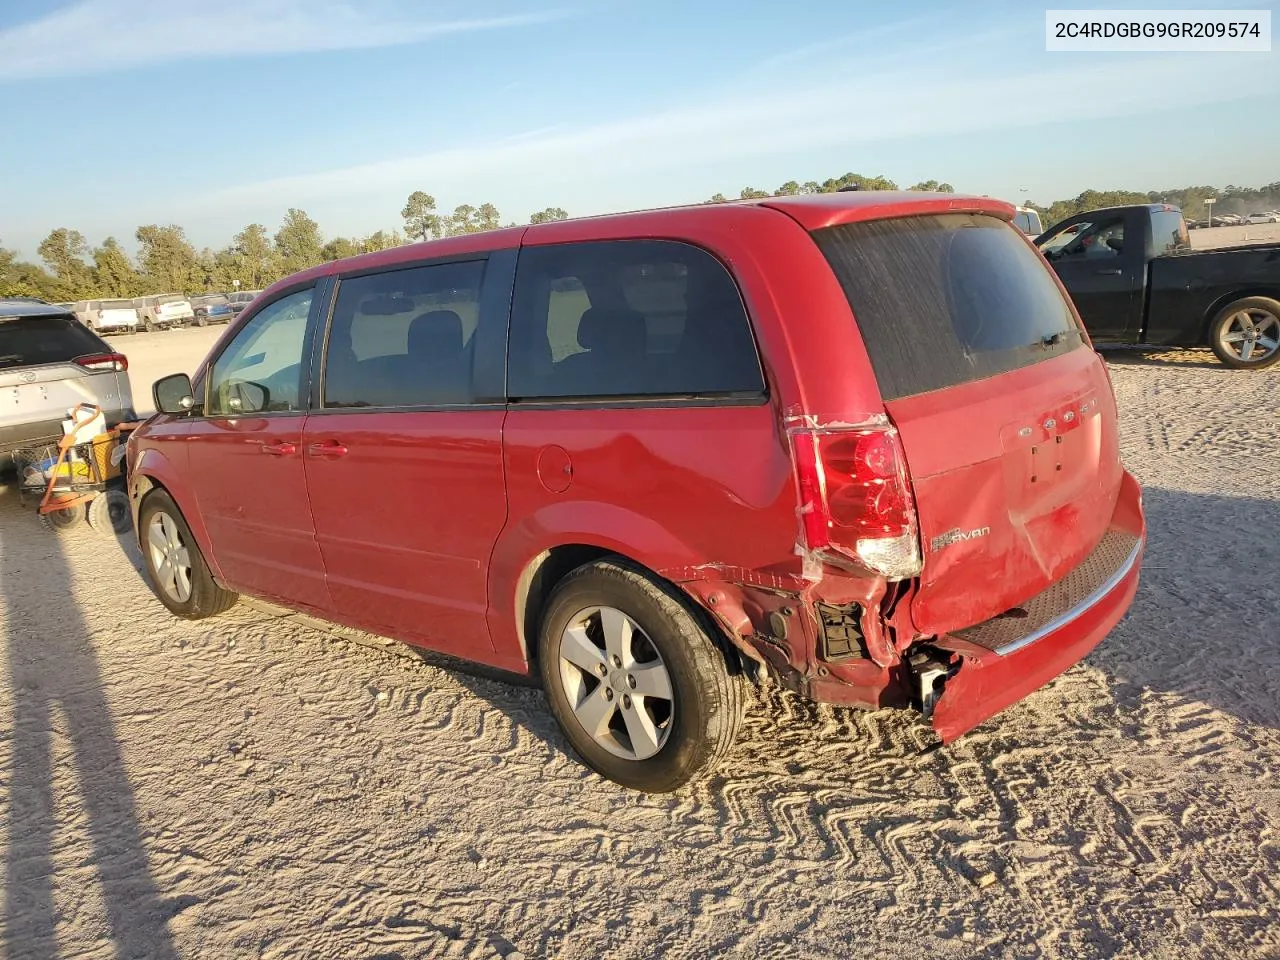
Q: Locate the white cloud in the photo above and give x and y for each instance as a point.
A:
(98, 36)
(921, 101)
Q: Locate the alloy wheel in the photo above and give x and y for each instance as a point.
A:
(1252, 335)
(616, 682)
(170, 558)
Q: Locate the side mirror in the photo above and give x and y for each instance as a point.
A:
(1115, 244)
(173, 394)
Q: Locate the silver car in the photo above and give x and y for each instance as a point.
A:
(49, 362)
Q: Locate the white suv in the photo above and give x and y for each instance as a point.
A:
(49, 362)
(106, 316)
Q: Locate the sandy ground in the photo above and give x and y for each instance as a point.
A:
(255, 786)
(155, 355)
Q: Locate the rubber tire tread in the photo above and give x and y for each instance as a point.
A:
(72, 518)
(1244, 303)
(100, 512)
(207, 598)
(666, 618)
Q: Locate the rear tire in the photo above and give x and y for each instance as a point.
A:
(175, 566)
(1245, 334)
(667, 709)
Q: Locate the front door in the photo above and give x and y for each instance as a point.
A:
(1102, 273)
(403, 453)
(246, 458)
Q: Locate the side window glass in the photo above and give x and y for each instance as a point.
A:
(260, 371)
(1103, 240)
(628, 318)
(404, 338)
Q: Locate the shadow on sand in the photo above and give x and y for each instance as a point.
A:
(59, 707)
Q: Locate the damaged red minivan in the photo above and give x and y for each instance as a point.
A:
(857, 442)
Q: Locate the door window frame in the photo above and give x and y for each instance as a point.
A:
(489, 356)
(650, 401)
(319, 288)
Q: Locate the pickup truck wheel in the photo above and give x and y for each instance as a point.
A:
(1246, 334)
(641, 691)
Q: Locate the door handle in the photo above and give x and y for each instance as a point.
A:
(282, 449)
(1110, 273)
(330, 448)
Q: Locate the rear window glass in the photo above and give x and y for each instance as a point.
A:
(117, 305)
(943, 300)
(628, 318)
(28, 341)
(170, 298)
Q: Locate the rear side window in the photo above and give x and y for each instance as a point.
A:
(27, 341)
(1168, 232)
(404, 338)
(943, 300)
(628, 318)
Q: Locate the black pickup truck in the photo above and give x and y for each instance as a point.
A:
(1135, 280)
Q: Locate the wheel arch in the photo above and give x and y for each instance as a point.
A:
(151, 474)
(547, 569)
(1270, 291)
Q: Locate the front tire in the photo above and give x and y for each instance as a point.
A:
(642, 692)
(175, 566)
(1246, 334)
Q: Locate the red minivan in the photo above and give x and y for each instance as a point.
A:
(856, 442)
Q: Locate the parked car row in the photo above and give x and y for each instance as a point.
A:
(1236, 219)
(159, 311)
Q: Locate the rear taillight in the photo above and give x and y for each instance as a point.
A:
(855, 501)
(104, 361)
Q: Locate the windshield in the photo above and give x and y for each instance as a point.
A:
(947, 299)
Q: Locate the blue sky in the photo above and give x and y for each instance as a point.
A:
(216, 113)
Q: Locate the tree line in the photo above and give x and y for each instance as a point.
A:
(167, 261)
(793, 188)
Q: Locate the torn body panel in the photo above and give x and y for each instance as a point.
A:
(803, 631)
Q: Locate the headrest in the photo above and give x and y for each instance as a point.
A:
(613, 331)
(436, 333)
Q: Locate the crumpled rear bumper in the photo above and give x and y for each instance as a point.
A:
(998, 666)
